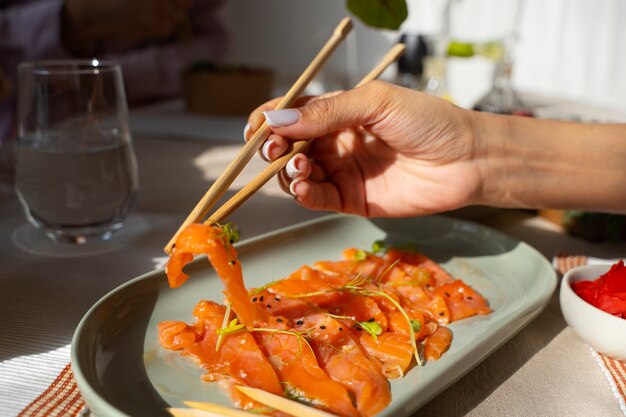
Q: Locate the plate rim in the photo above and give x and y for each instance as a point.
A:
(525, 316)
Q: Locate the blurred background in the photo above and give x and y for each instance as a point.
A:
(572, 49)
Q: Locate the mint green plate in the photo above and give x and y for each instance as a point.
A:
(121, 370)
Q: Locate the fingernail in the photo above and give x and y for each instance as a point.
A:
(291, 169)
(281, 118)
(245, 130)
(292, 188)
(265, 150)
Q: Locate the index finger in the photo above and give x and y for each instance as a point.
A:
(256, 118)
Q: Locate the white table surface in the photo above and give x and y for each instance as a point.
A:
(545, 370)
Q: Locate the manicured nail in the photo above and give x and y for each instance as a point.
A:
(245, 130)
(265, 149)
(281, 118)
(292, 188)
(291, 169)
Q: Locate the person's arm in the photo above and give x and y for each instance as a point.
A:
(552, 164)
(383, 150)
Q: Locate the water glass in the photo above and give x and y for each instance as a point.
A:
(76, 173)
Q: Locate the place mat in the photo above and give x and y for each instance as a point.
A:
(613, 370)
(60, 399)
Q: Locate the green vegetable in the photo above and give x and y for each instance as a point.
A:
(378, 247)
(231, 232)
(360, 255)
(372, 328)
(417, 326)
(381, 14)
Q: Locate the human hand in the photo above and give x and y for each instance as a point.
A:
(379, 150)
(91, 21)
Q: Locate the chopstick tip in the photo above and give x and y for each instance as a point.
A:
(344, 27)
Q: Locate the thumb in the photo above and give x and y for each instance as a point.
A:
(358, 107)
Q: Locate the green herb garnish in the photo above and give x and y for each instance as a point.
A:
(417, 326)
(372, 327)
(231, 233)
(379, 247)
(360, 255)
(255, 291)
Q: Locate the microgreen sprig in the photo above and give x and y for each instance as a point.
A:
(360, 255)
(255, 291)
(375, 293)
(300, 335)
(372, 327)
(220, 336)
(355, 286)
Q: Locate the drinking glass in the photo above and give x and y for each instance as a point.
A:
(76, 173)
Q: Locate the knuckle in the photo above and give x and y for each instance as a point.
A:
(320, 111)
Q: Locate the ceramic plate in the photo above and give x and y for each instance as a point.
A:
(122, 371)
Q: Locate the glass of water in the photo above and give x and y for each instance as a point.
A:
(76, 173)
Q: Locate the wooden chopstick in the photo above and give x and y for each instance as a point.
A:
(219, 409)
(283, 404)
(197, 412)
(221, 184)
(272, 169)
(212, 409)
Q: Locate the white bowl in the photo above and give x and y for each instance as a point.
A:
(602, 331)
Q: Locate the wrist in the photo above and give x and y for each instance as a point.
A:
(485, 131)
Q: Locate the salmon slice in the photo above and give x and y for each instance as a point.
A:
(177, 335)
(415, 259)
(393, 350)
(297, 366)
(239, 360)
(278, 304)
(462, 300)
(432, 306)
(358, 308)
(340, 355)
(437, 343)
(309, 281)
(212, 241)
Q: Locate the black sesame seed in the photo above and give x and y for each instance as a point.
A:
(279, 320)
(441, 313)
(269, 306)
(299, 322)
(254, 299)
(447, 294)
(231, 263)
(261, 298)
(341, 329)
(371, 320)
(358, 329)
(469, 297)
(322, 327)
(276, 299)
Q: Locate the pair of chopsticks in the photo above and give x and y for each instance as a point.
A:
(220, 186)
(201, 409)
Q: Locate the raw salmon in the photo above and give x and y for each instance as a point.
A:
(331, 334)
(212, 241)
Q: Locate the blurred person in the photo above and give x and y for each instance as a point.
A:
(386, 151)
(152, 40)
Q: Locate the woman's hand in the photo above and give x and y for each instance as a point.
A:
(378, 150)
